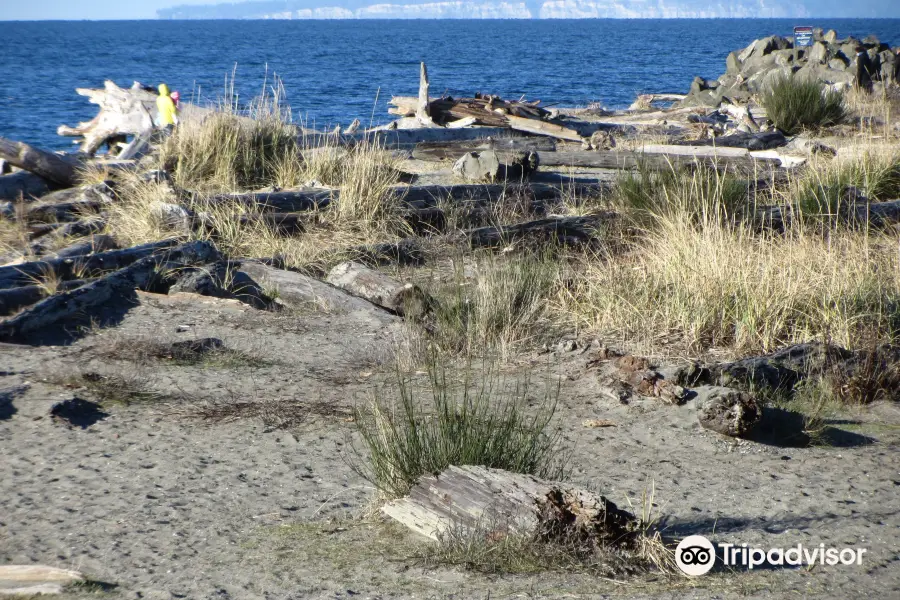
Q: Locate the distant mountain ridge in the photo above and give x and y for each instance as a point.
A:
(527, 9)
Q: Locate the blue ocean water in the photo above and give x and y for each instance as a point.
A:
(333, 70)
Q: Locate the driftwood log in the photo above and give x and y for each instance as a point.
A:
(404, 299)
(24, 186)
(123, 112)
(861, 213)
(76, 268)
(301, 292)
(497, 503)
(21, 581)
(15, 299)
(45, 232)
(52, 167)
(624, 160)
(415, 197)
(451, 151)
(119, 284)
(70, 204)
(562, 230)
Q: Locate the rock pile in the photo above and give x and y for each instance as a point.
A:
(840, 63)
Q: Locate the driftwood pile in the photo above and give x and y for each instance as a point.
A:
(505, 151)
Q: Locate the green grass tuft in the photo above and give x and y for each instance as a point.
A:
(478, 420)
(795, 104)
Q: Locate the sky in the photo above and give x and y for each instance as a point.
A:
(14, 10)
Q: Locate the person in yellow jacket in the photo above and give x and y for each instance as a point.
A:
(168, 112)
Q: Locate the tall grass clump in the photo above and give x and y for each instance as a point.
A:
(479, 419)
(824, 188)
(795, 104)
(228, 152)
(505, 303)
(700, 192)
(232, 149)
(727, 286)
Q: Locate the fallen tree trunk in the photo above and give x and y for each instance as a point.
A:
(285, 202)
(70, 204)
(24, 186)
(431, 196)
(452, 151)
(495, 504)
(543, 128)
(624, 160)
(27, 581)
(130, 111)
(405, 252)
(72, 229)
(40, 162)
(68, 268)
(11, 301)
(416, 196)
(875, 214)
(404, 299)
(562, 230)
(301, 292)
(408, 138)
(122, 284)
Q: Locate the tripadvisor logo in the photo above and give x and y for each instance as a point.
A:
(696, 555)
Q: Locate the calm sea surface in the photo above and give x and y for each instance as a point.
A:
(333, 70)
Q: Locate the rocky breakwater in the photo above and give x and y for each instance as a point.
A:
(840, 63)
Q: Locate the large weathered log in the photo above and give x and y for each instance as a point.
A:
(68, 268)
(875, 214)
(430, 196)
(119, 284)
(415, 197)
(40, 162)
(497, 503)
(15, 299)
(285, 202)
(27, 581)
(625, 160)
(403, 299)
(74, 229)
(70, 204)
(24, 186)
(44, 248)
(300, 292)
(453, 150)
(123, 111)
(766, 140)
(563, 230)
(408, 138)
(543, 128)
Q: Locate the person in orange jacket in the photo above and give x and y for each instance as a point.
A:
(168, 112)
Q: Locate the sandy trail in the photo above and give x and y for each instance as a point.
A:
(164, 504)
